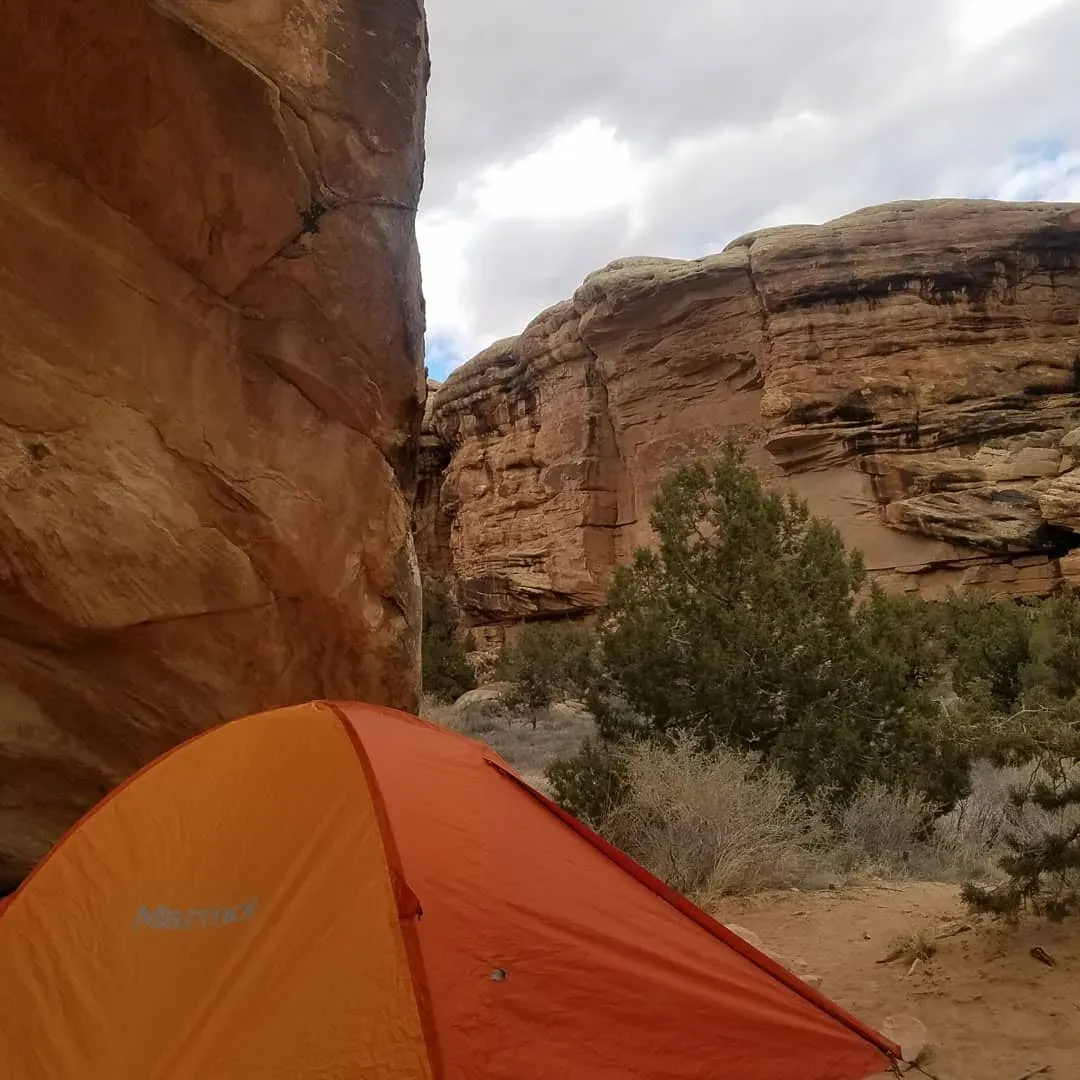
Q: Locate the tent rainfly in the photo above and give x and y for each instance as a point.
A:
(341, 891)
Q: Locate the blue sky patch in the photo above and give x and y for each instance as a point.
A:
(1036, 150)
(442, 356)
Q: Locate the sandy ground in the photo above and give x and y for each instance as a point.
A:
(993, 1012)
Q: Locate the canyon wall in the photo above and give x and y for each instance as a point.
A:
(911, 370)
(211, 377)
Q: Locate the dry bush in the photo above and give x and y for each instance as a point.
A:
(879, 830)
(883, 831)
(975, 831)
(911, 945)
(720, 823)
(888, 832)
(714, 824)
(972, 832)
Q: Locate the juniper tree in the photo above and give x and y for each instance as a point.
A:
(544, 663)
(744, 626)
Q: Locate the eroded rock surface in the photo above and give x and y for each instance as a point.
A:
(210, 377)
(911, 370)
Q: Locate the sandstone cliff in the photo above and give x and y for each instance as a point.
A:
(210, 376)
(911, 370)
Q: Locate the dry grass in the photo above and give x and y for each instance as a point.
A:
(530, 750)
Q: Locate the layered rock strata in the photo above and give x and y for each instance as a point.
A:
(911, 370)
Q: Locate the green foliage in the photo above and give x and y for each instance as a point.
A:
(743, 628)
(544, 663)
(446, 671)
(905, 645)
(1042, 867)
(989, 641)
(750, 628)
(592, 783)
(1054, 663)
(1039, 725)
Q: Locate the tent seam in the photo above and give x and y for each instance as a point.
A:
(413, 953)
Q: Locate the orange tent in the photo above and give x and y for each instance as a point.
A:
(341, 891)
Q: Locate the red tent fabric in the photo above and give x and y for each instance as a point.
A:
(340, 890)
(607, 972)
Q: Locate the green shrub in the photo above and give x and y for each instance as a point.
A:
(544, 663)
(590, 784)
(989, 642)
(445, 668)
(749, 630)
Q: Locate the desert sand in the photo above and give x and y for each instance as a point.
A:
(993, 1010)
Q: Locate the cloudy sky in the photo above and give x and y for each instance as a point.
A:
(563, 134)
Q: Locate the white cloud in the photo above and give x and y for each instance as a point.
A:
(576, 174)
(582, 170)
(1054, 180)
(565, 134)
(980, 23)
(444, 241)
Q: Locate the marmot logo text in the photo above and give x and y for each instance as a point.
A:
(170, 918)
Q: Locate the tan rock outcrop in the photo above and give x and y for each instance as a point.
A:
(211, 377)
(911, 370)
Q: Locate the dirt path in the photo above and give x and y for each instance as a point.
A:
(993, 1011)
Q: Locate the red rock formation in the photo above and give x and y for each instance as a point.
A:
(910, 370)
(211, 336)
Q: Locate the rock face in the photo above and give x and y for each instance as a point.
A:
(911, 370)
(210, 377)
(431, 525)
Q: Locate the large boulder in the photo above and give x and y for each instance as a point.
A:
(211, 377)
